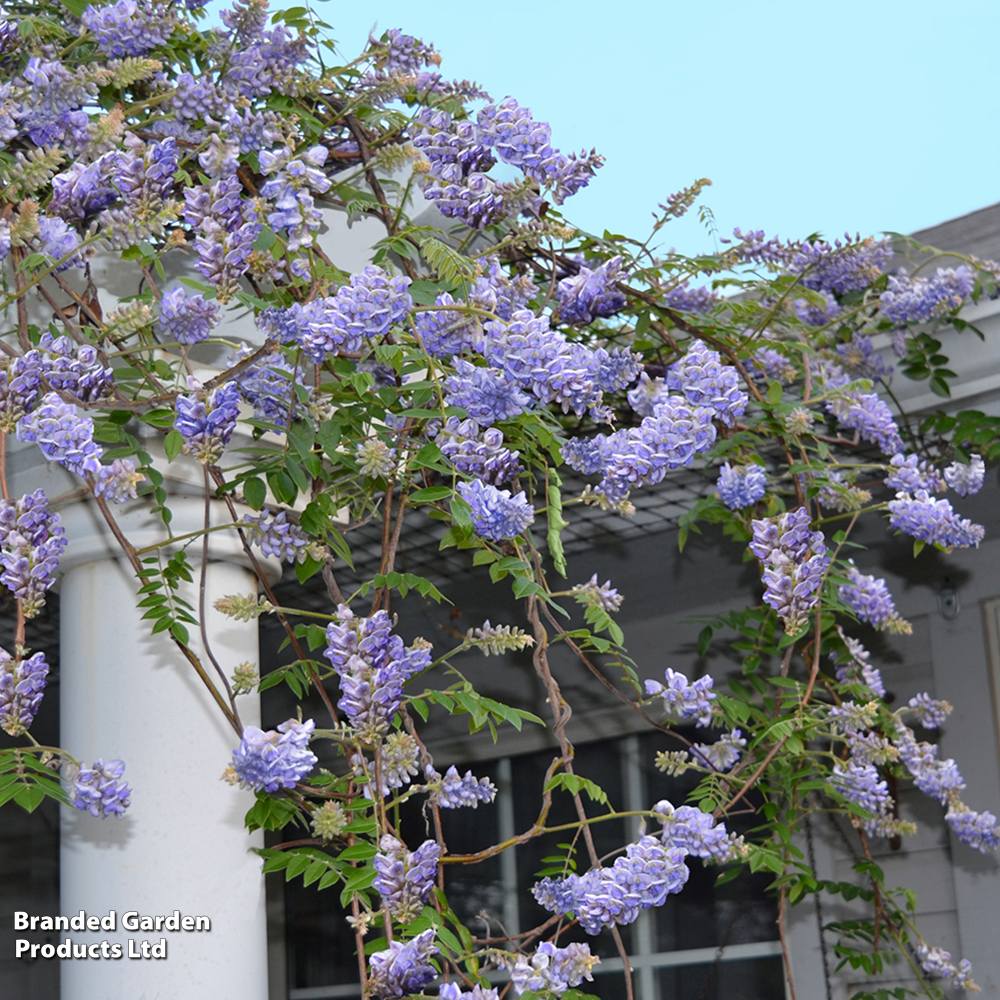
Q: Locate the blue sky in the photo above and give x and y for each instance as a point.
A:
(820, 116)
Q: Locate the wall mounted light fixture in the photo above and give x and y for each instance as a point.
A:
(947, 599)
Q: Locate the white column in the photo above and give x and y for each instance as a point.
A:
(182, 844)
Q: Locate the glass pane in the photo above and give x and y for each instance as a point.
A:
(756, 979)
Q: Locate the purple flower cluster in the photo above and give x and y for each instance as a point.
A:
(842, 266)
(643, 878)
(553, 969)
(117, 482)
(930, 520)
(860, 783)
(62, 435)
(863, 412)
(696, 832)
(860, 358)
(276, 535)
(591, 292)
(458, 792)
(294, 179)
(403, 878)
(795, 563)
(940, 779)
(741, 485)
(931, 713)
(127, 28)
(916, 300)
(937, 962)
(978, 830)
(188, 319)
(207, 424)
(99, 790)
(403, 969)
(484, 393)
(966, 480)
(691, 300)
(814, 315)
(373, 665)
(722, 754)
(22, 684)
(495, 513)
(480, 455)
(271, 386)
(869, 598)
(858, 669)
(267, 761)
(647, 395)
(444, 333)
(684, 700)
(593, 594)
(19, 385)
(31, 541)
(910, 473)
(705, 381)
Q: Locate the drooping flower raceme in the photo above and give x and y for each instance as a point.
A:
(267, 761)
(62, 435)
(373, 665)
(554, 969)
(869, 598)
(403, 969)
(910, 473)
(937, 962)
(591, 292)
(207, 424)
(696, 832)
(495, 513)
(795, 562)
(916, 300)
(22, 684)
(978, 830)
(187, 319)
(403, 878)
(276, 535)
(741, 485)
(478, 454)
(99, 790)
(117, 482)
(31, 542)
(705, 381)
(722, 754)
(858, 669)
(930, 712)
(484, 393)
(684, 700)
(593, 594)
(930, 520)
(966, 479)
(454, 791)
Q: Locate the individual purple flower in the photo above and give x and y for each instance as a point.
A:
(127, 28)
(373, 665)
(456, 791)
(741, 485)
(188, 319)
(705, 381)
(966, 479)
(478, 454)
(31, 542)
(931, 713)
(869, 598)
(267, 761)
(495, 513)
(98, 789)
(591, 292)
(553, 969)
(696, 832)
(207, 424)
(62, 435)
(978, 830)
(917, 300)
(484, 393)
(930, 520)
(22, 684)
(722, 754)
(403, 878)
(276, 535)
(117, 482)
(795, 563)
(684, 700)
(910, 473)
(595, 595)
(403, 969)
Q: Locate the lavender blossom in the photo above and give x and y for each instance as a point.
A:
(647, 395)
(117, 482)
(966, 480)
(276, 535)
(705, 381)
(860, 357)
(71, 369)
(403, 878)
(403, 969)
(553, 969)
(127, 28)
(98, 790)
(937, 962)
(795, 563)
(592, 594)
(496, 514)
(860, 783)
(910, 473)
(934, 521)
(865, 413)
(31, 541)
(61, 435)
(591, 292)
(456, 791)
(696, 833)
(841, 267)
(931, 713)
(940, 779)
(295, 177)
(207, 424)
(188, 319)
(917, 300)
(683, 700)
(869, 598)
(267, 761)
(447, 332)
(978, 830)
(373, 665)
(22, 684)
(480, 455)
(722, 754)
(815, 315)
(858, 669)
(484, 393)
(741, 485)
